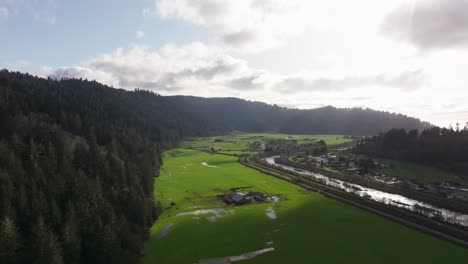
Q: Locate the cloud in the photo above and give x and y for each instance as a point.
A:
(249, 82)
(198, 69)
(408, 80)
(44, 17)
(191, 68)
(22, 63)
(139, 33)
(239, 38)
(4, 13)
(18, 65)
(41, 11)
(251, 25)
(431, 24)
(78, 72)
(146, 12)
(447, 118)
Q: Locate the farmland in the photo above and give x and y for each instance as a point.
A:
(237, 142)
(306, 226)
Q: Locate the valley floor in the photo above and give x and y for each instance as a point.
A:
(301, 227)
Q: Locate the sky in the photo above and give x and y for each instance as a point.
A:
(404, 56)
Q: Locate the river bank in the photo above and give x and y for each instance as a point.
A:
(455, 234)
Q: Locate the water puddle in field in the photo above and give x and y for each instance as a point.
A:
(270, 212)
(214, 214)
(185, 166)
(206, 164)
(230, 259)
(164, 230)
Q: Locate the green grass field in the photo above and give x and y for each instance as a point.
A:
(420, 173)
(309, 227)
(416, 172)
(237, 143)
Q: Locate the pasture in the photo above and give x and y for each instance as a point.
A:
(238, 143)
(305, 227)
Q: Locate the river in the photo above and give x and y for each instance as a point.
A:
(381, 196)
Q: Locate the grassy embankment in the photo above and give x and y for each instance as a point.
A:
(309, 227)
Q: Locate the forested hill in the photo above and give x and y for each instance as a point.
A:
(77, 160)
(238, 114)
(444, 148)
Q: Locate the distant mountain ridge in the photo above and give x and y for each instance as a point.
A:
(192, 114)
(239, 114)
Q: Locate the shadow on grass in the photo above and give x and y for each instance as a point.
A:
(311, 230)
(220, 163)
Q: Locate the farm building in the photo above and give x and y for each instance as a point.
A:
(236, 198)
(240, 198)
(257, 196)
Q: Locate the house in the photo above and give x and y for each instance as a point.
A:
(253, 194)
(318, 160)
(236, 198)
(257, 196)
(228, 199)
(240, 198)
(260, 198)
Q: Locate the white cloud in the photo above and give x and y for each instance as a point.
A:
(199, 69)
(41, 11)
(146, 12)
(194, 68)
(18, 65)
(408, 80)
(44, 17)
(23, 63)
(249, 24)
(44, 71)
(4, 13)
(430, 24)
(139, 33)
(78, 72)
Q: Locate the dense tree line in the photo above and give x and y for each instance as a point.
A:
(78, 159)
(442, 147)
(237, 114)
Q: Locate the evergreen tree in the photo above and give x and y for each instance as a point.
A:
(46, 246)
(9, 242)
